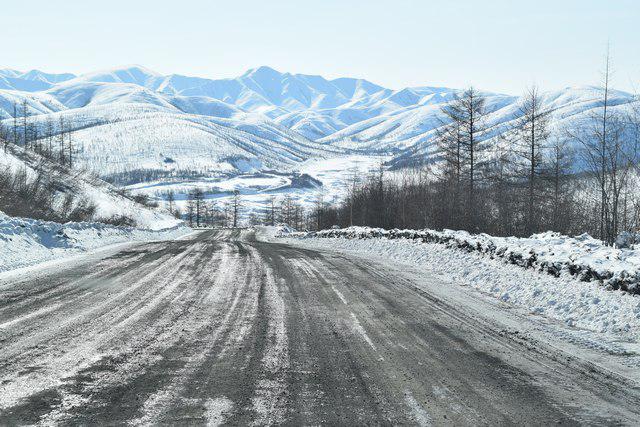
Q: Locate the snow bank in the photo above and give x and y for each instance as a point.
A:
(25, 242)
(584, 257)
(588, 306)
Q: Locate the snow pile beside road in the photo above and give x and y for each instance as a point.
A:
(283, 230)
(584, 257)
(585, 305)
(25, 242)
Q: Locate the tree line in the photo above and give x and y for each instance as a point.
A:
(200, 212)
(522, 180)
(233, 212)
(45, 190)
(519, 180)
(48, 185)
(51, 139)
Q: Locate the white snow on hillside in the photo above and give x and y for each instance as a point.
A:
(335, 111)
(569, 108)
(37, 102)
(30, 81)
(108, 200)
(139, 126)
(125, 137)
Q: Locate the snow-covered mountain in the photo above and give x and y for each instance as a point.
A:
(31, 81)
(261, 89)
(122, 127)
(132, 119)
(568, 107)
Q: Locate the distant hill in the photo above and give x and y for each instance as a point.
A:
(129, 120)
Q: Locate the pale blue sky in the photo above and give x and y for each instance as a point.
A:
(496, 45)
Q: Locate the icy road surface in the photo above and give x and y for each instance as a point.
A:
(224, 329)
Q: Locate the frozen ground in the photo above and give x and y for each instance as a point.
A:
(583, 313)
(221, 328)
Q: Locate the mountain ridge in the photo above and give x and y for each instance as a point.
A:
(309, 114)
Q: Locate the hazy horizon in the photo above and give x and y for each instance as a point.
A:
(497, 46)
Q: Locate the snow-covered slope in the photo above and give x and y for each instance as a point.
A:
(415, 131)
(37, 103)
(107, 199)
(131, 119)
(30, 81)
(127, 139)
(261, 89)
(122, 128)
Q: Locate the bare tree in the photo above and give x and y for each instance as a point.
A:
(318, 210)
(70, 145)
(211, 213)
(48, 134)
(236, 206)
(621, 159)
(25, 122)
(531, 133)
(602, 144)
(608, 154)
(61, 135)
(226, 209)
(4, 137)
(35, 138)
(501, 189)
(15, 123)
(197, 196)
(191, 208)
(449, 143)
(467, 116)
(353, 178)
(171, 198)
(271, 211)
(286, 210)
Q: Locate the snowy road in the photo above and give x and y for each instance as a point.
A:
(223, 328)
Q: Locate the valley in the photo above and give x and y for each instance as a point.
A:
(154, 133)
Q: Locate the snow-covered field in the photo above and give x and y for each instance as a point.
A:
(26, 242)
(256, 189)
(593, 315)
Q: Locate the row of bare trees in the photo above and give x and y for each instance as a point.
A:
(50, 138)
(285, 210)
(48, 185)
(514, 178)
(45, 189)
(202, 213)
(610, 142)
(34, 194)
